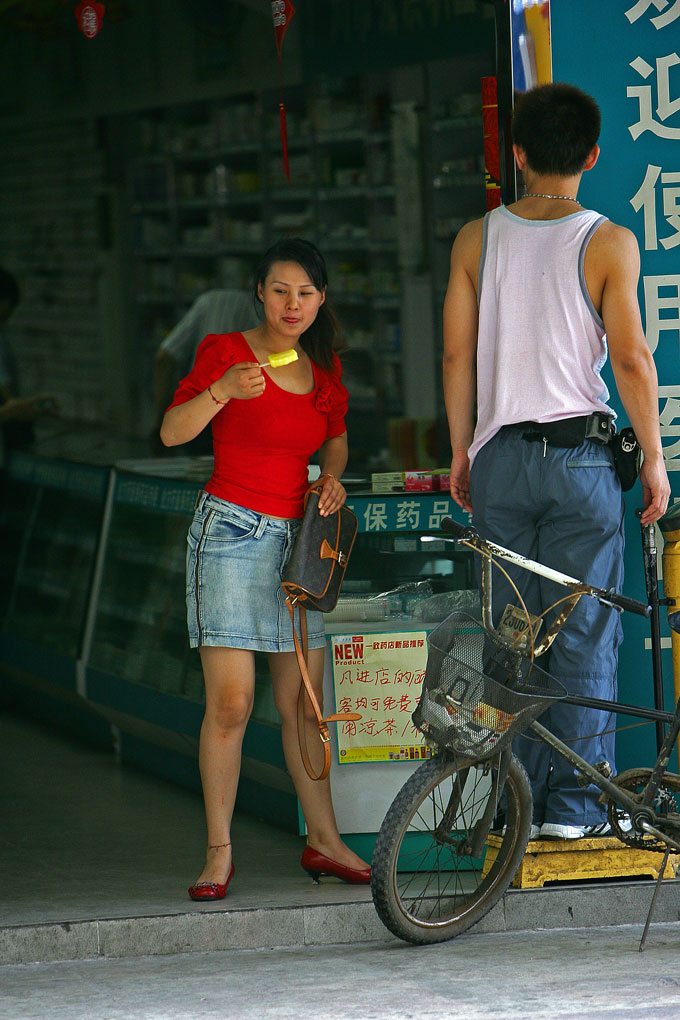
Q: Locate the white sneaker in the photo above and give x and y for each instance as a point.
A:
(552, 830)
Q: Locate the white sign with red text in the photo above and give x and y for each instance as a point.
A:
(379, 676)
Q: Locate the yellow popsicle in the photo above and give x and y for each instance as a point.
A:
(279, 358)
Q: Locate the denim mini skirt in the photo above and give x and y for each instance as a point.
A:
(233, 585)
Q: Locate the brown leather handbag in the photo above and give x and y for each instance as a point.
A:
(312, 579)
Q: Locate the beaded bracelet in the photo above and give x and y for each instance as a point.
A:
(214, 398)
(327, 474)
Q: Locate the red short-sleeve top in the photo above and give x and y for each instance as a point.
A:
(262, 446)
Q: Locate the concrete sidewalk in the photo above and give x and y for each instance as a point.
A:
(96, 860)
(595, 974)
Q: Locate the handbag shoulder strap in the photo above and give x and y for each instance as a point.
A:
(306, 688)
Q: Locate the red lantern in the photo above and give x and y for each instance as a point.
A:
(282, 12)
(89, 16)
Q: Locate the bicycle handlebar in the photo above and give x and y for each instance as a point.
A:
(458, 530)
(624, 602)
(467, 534)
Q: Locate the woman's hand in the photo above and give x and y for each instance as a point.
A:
(332, 496)
(241, 381)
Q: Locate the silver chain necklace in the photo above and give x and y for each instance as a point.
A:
(537, 194)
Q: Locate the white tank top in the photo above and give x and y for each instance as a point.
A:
(541, 342)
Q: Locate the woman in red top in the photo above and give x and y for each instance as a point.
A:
(266, 424)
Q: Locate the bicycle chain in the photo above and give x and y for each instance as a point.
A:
(664, 805)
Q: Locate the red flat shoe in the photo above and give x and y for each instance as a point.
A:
(316, 864)
(211, 890)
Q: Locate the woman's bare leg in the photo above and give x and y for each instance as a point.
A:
(229, 675)
(314, 797)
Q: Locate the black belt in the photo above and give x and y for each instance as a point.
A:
(567, 431)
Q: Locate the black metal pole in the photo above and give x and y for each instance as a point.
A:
(649, 558)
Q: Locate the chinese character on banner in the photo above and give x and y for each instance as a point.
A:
(408, 514)
(282, 13)
(440, 509)
(375, 517)
(669, 421)
(89, 17)
(665, 106)
(670, 9)
(662, 294)
(646, 199)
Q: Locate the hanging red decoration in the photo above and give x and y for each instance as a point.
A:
(282, 13)
(89, 16)
(492, 159)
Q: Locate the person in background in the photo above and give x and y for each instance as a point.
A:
(212, 312)
(539, 293)
(266, 423)
(16, 413)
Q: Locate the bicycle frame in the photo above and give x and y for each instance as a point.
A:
(641, 812)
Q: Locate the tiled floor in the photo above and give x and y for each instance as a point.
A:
(82, 838)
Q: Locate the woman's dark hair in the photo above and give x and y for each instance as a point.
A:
(324, 336)
(557, 126)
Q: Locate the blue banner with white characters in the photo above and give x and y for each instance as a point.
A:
(626, 53)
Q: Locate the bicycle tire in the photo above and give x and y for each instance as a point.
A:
(425, 888)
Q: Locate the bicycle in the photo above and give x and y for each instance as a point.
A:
(441, 859)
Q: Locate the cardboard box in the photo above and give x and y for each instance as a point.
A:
(419, 481)
(387, 481)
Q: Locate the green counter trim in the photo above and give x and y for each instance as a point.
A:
(160, 494)
(76, 479)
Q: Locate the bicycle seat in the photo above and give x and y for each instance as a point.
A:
(674, 621)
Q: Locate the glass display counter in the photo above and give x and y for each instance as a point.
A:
(95, 576)
(51, 523)
(92, 618)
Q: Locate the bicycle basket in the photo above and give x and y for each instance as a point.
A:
(478, 692)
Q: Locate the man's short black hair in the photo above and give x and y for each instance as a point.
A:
(557, 126)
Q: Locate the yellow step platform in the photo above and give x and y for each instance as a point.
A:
(561, 860)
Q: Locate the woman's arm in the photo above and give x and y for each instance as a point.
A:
(333, 460)
(181, 423)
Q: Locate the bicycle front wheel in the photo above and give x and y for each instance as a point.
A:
(426, 886)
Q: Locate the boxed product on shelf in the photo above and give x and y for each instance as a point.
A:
(419, 481)
(387, 481)
(427, 481)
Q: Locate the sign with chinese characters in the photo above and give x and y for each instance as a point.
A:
(379, 676)
(404, 512)
(627, 55)
(637, 180)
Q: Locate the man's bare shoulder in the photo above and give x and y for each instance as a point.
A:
(471, 233)
(467, 246)
(612, 242)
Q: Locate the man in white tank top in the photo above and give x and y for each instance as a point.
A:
(539, 293)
